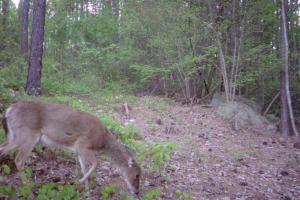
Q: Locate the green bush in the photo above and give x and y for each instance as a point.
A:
(25, 191)
(158, 153)
(9, 191)
(128, 134)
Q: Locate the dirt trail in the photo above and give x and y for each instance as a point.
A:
(214, 162)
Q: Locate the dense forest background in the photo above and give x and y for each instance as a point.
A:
(149, 70)
(174, 48)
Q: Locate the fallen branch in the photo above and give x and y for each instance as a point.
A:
(271, 103)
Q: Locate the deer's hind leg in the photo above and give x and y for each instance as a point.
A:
(6, 147)
(26, 142)
(10, 144)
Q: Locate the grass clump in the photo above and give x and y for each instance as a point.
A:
(152, 194)
(57, 191)
(6, 169)
(108, 191)
(158, 153)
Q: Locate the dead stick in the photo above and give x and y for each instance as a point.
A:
(126, 109)
(271, 103)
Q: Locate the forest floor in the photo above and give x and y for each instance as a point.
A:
(211, 160)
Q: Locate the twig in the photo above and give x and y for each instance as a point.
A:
(271, 103)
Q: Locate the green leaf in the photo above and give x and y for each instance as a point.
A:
(6, 169)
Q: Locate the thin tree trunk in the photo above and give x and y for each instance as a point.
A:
(24, 29)
(223, 69)
(211, 76)
(201, 82)
(259, 91)
(238, 42)
(236, 72)
(231, 81)
(220, 52)
(233, 68)
(115, 12)
(5, 11)
(33, 84)
(4, 20)
(81, 9)
(114, 8)
(287, 118)
(285, 125)
(20, 10)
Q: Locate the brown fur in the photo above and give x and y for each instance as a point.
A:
(62, 126)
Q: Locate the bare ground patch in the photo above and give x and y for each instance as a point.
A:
(214, 162)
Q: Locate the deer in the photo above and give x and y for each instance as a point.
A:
(27, 123)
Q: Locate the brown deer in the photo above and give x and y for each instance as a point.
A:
(27, 123)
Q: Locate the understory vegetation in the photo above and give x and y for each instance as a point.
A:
(168, 48)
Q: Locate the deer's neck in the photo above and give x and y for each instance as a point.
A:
(118, 154)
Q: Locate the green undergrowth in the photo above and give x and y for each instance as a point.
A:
(112, 190)
(45, 191)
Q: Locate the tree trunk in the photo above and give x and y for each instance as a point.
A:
(3, 23)
(24, 29)
(81, 9)
(33, 85)
(211, 76)
(223, 69)
(285, 125)
(5, 11)
(287, 118)
(20, 9)
(259, 91)
(114, 8)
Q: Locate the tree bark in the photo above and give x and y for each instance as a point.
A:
(223, 69)
(114, 8)
(24, 29)
(33, 84)
(287, 122)
(5, 11)
(3, 20)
